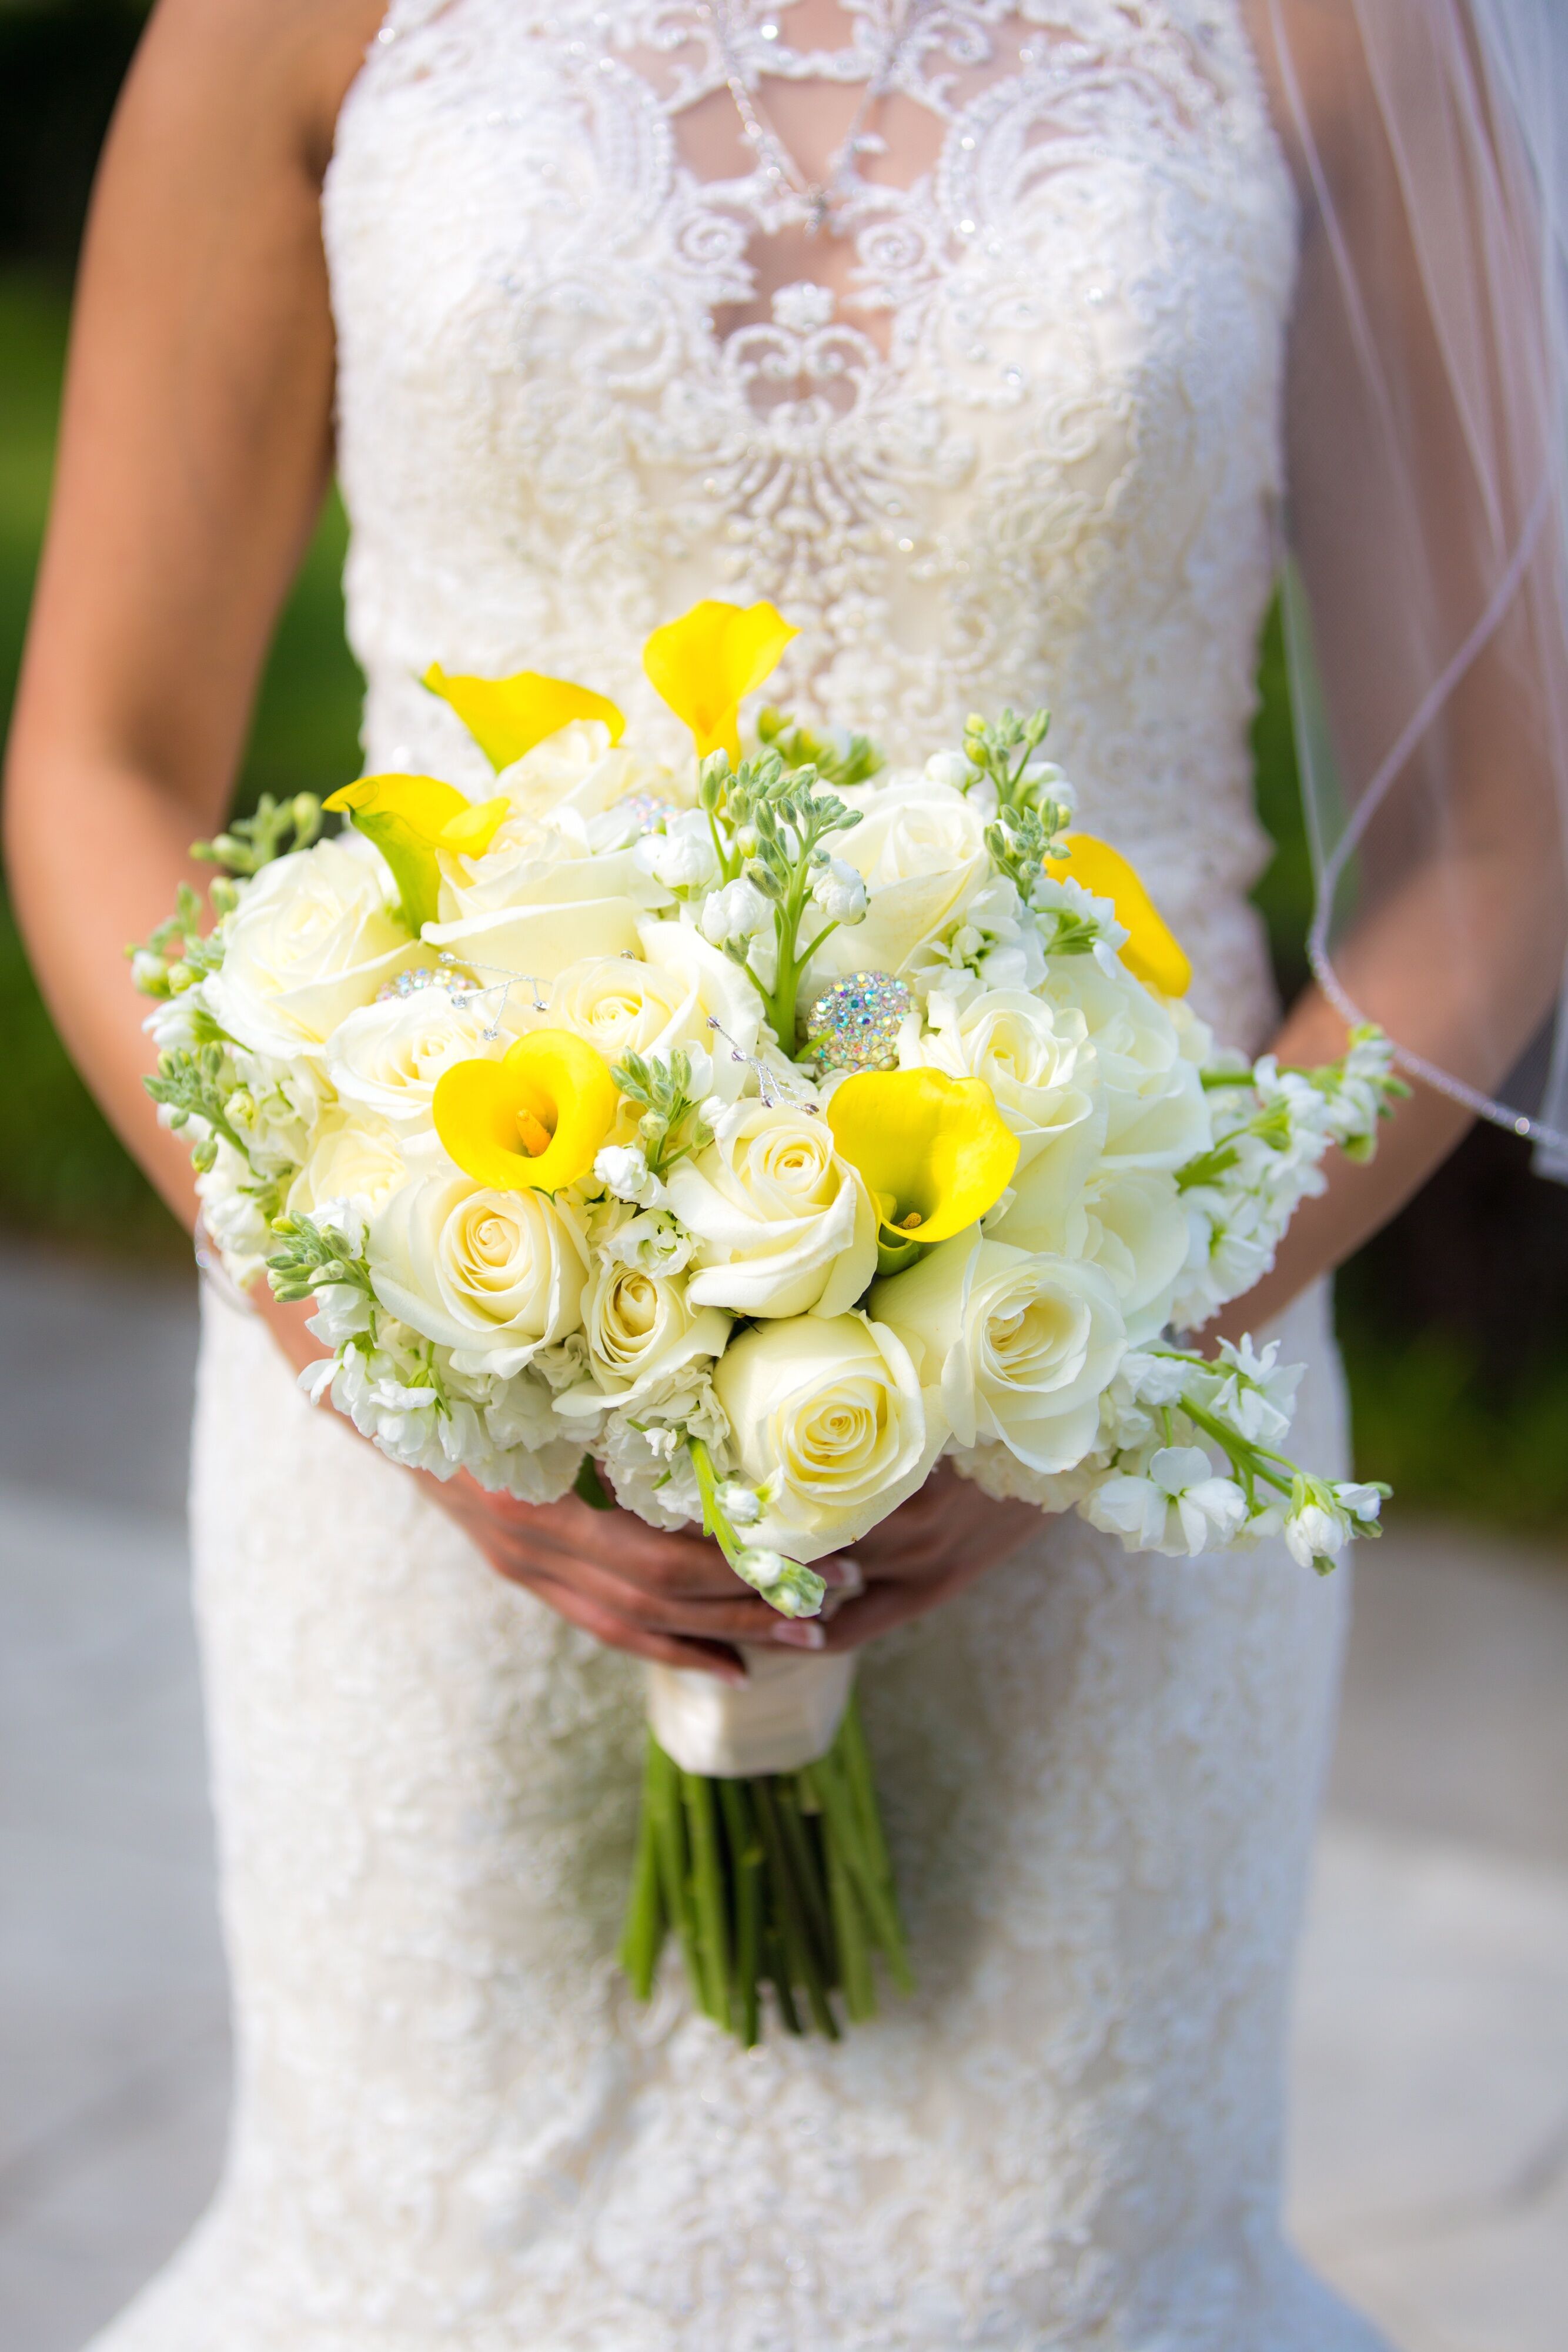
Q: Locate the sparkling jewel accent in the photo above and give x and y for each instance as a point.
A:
(854, 1025)
(413, 983)
(647, 810)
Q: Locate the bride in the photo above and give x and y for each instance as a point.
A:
(964, 333)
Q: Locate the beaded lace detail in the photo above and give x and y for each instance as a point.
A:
(1013, 439)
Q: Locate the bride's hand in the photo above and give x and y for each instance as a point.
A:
(675, 1598)
(921, 1554)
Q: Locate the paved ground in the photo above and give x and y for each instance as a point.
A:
(1431, 2148)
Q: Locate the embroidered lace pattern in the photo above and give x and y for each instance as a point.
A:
(1022, 446)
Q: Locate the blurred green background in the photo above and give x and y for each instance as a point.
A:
(1452, 1320)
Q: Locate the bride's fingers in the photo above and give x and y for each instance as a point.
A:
(884, 1606)
(605, 1624)
(737, 1616)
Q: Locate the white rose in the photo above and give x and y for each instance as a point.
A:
(570, 779)
(532, 915)
(1156, 1113)
(351, 1157)
(921, 851)
(1137, 1233)
(386, 1058)
(1037, 1061)
(643, 1334)
(829, 1425)
(312, 938)
(1021, 1346)
(493, 1275)
(659, 999)
(784, 1226)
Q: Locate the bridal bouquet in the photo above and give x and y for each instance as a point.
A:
(735, 1137)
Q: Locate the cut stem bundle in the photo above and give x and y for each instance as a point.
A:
(781, 1879)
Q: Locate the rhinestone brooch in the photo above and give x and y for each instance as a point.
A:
(854, 1024)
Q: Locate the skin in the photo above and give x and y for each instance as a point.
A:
(195, 451)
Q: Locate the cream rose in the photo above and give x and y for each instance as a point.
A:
(351, 1157)
(1137, 1233)
(1037, 1060)
(313, 938)
(1157, 1114)
(831, 1427)
(643, 1334)
(784, 1226)
(493, 1275)
(662, 997)
(386, 1058)
(921, 851)
(534, 914)
(1020, 1347)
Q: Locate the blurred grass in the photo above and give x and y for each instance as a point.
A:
(1447, 1406)
(62, 1171)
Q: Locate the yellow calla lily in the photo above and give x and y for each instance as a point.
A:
(508, 716)
(1151, 950)
(411, 819)
(933, 1150)
(706, 663)
(535, 1119)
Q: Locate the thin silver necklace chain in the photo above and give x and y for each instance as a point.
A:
(819, 199)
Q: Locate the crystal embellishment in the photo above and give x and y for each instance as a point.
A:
(854, 1024)
(413, 983)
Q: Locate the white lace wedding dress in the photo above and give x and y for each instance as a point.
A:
(1029, 454)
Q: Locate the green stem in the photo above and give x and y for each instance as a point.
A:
(849, 1933)
(800, 1960)
(669, 1830)
(852, 1749)
(746, 1868)
(644, 1930)
(713, 1939)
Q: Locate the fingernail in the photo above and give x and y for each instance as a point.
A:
(737, 1675)
(800, 1634)
(842, 1575)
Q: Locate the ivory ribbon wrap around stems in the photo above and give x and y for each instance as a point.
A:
(785, 1715)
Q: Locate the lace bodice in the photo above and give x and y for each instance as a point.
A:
(1025, 450)
(1011, 438)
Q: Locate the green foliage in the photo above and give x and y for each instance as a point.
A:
(275, 828)
(672, 1125)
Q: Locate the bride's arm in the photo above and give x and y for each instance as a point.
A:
(1470, 1008)
(194, 452)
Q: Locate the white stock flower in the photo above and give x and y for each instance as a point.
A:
(681, 856)
(649, 1473)
(1020, 1347)
(828, 1425)
(233, 1219)
(1252, 1394)
(652, 1241)
(949, 769)
(1180, 1508)
(643, 1335)
(622, 1168)
(386, 1058)
(351, 1157)
(1363, 1502)
(734, 913)
(784, 1226)
(493, 1275)
(1314, 1530)
(840, 891)
(313, 938)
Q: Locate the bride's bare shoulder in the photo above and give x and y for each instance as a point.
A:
(272, 72)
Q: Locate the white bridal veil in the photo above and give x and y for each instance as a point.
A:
(1424, 604)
